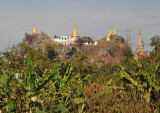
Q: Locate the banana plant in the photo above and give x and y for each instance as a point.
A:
(19, 88)
(142, 79)
(68, 87)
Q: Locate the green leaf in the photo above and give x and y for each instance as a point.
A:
(48, 78)
(79, 89)
(128, 77)
(109, 82)
(152, 83)
(68, 74)
(63, 94)
(102, 93)
(157, 68)
(11, 106)
(61, 108)
(31, 75)
(79, 100)
(86, 77)
(39, 111)
(6, 88)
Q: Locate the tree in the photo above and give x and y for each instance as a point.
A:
(79, 42)
(155, 42)
(86, 37)
(51, 53)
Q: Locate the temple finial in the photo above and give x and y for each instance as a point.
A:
(110, 32)
(75, 34)
(114, 31)
(108, 36)
(34, 30)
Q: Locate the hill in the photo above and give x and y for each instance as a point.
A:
(105, 51)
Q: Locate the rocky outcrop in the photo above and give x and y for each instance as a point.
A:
(113, 38)
(42, 41)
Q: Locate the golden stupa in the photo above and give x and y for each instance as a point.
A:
(34, 30)
(114, 31)
(110, 32)
(75, 34)
(108, 36)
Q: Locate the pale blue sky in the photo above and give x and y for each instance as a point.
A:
(92, 17)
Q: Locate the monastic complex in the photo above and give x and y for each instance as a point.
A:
(140, 52)
(72, 39)
(109, 43)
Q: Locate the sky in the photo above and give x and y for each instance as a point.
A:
(92, 18)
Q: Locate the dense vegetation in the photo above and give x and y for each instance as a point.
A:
(39, 82)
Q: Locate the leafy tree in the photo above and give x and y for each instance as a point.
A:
(127, 56)
(86, 37)
(79, 42)
(51, 53)
(155, 42)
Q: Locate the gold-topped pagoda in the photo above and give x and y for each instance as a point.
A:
(34, 30)
(110, 32)
(75, 34)
(108, 36)
(114, 32)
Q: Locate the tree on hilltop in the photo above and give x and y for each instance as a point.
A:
(155, 42)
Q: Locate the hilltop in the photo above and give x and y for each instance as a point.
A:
(104, 51)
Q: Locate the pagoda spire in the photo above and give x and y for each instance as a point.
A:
(108, 38)
(140, 47)
(110, 32)
(34, 30)
(75, 34)
(114, 31)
